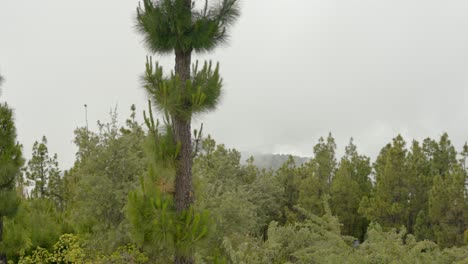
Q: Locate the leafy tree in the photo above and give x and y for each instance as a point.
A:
(350, 184)
(317, 240)
(109, 164)
(241, 199)
(69, 249)
(177, 26)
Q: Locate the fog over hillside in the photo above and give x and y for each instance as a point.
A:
(271, 161)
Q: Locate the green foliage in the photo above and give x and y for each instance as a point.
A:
(442, 154)
(125, 255)
(37, 224)
(350, 184)
(155, 225)
(386, 247)
(160, 144)
(447, 208)
(41, 168)
(423, 226)
(44, 173)
(288, 178)
(317, 240)
(68, 249)
(199, 94)
(108, 167)
(316, 176)
(173, 24)
(420, 178)
(157, 228)
(388, 204)
(177, 25)
(121, 189)
(11, 161)
(326, 162)
(242, 201)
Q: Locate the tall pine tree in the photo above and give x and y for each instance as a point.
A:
(350, 184)
(10, 163)
(316, 176)
(181, 27)
(420, 180)
(447, 204)
(388, 204)
(43, 171)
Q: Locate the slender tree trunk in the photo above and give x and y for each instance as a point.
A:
(3, 259)
(180, 259)
(183, 180)
(182, 133)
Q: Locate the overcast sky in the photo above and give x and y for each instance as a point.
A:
(293, 71)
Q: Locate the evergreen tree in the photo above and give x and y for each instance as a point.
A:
(316, 176)
(447, 208)
(420, 180)
(311, 188)
(326, 162)
(388, 203)
(10, 163)
(37, 223)
(43, 170)
(156, 226)
(178, 26)
(287, 177)
(442, 155)
(350, 184)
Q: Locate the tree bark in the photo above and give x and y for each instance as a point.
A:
(3, 258)
(182, 134)
(183, 178)
(183, 260)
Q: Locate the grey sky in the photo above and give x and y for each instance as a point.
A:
(293, 71)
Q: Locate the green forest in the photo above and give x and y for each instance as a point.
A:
(161, 191)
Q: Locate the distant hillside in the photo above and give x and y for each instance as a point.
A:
(271, 161)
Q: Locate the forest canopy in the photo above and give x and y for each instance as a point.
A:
(407, 204)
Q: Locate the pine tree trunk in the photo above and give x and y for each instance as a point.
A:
(3, 259)
(182, 133)
(183, 260)
(183, 178)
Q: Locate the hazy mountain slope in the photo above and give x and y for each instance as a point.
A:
(271, 161)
